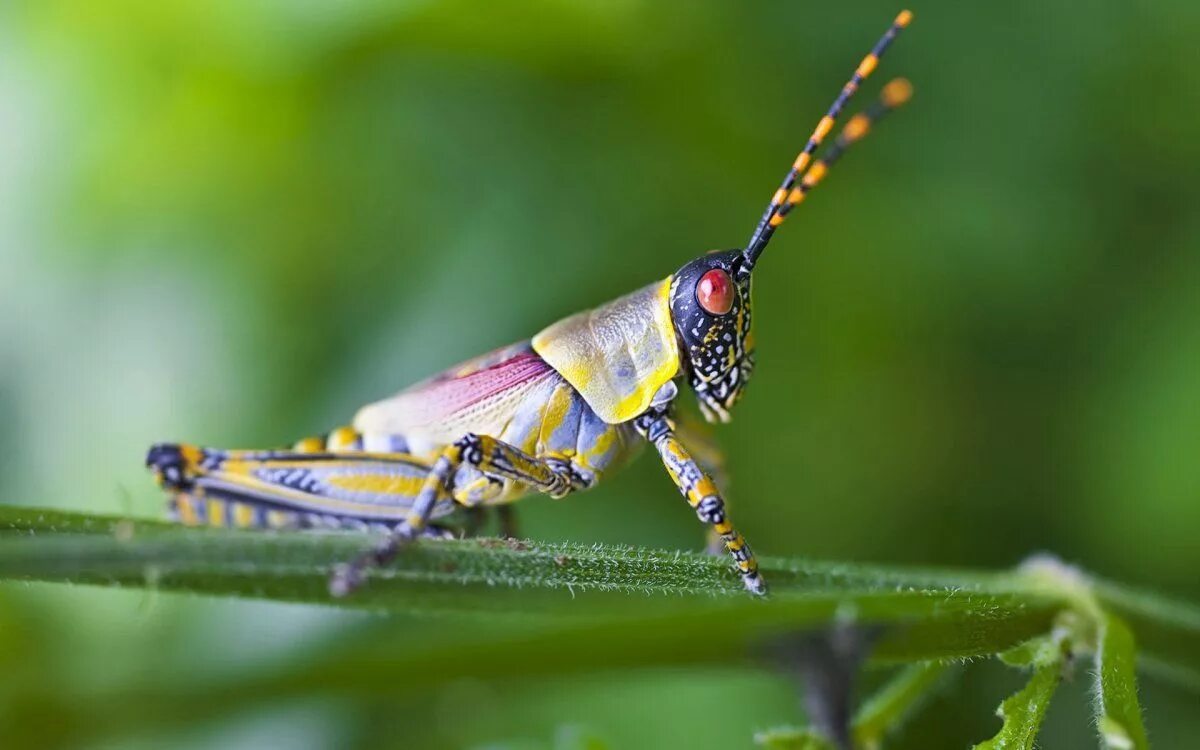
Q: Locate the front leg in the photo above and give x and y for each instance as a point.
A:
(710, 458)
(701, 492)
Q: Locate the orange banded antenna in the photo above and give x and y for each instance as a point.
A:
(770, 218)
(894, 94)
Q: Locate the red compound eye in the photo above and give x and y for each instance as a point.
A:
(714, 292)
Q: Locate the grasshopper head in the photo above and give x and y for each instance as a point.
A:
(710, 306)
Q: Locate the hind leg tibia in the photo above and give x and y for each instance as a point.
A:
(494, 459)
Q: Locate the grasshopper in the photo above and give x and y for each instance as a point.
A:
(552, 414)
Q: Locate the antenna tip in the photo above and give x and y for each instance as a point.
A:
(896, 92)
(904, 18)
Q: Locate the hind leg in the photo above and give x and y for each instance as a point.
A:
(349, 576)
(494, 458)
(291, 489)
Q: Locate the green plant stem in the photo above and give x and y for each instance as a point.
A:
(455, 576)
(1118, 714)
(1022, 712)
(882, 713)
(495, 610)
(887, 710)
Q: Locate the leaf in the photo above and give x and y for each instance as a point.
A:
(504, 609)
(891, 706)
(1168, 632)
(569, 592)
(1118, 715)
(522, 608)
(1023, 711)
(471, 577)
(792, 738)
(884, 712)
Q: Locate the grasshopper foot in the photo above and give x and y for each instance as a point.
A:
(345, 578)
(348, 577)
(754, 583)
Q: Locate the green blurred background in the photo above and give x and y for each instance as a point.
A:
(234, 222)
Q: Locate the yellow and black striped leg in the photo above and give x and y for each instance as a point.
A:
(555, 477)
(495, 460)
(708, 454)
(701, 493)
(349, 576)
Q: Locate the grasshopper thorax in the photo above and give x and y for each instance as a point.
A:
(710, 307)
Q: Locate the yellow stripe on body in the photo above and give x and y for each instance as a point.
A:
(243, 515)
(186, 510)
(554, 415)
(378, 484)
(241, 474)
(342, 439)
(216, 511)
(309, 445)
(278, 519)
(601, 445)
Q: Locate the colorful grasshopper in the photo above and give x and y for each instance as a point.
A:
(552, 414)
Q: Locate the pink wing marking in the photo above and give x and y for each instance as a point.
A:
(436, 399)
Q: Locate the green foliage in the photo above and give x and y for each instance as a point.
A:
(892, 705)
(882, 713)
(559, 609)
(1118, 715)
(1022, 713)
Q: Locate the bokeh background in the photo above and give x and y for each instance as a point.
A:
(234, 222)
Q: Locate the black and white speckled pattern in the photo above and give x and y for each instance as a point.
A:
(716, 350)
